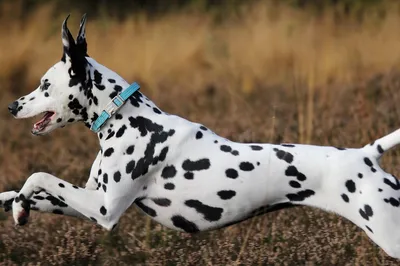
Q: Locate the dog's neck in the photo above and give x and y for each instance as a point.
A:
(102, 86)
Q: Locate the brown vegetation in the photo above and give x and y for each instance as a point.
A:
(268, 74)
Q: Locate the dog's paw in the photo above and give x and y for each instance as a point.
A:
(21, 207)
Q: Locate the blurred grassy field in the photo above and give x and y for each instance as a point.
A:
(266, 74)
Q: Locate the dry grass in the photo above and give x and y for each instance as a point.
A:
(269, 74)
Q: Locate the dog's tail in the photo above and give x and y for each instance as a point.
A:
(379, 146)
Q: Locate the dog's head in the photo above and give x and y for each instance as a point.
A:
(65, 89)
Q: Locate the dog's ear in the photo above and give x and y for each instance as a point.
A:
(81, 38)
(72, 54)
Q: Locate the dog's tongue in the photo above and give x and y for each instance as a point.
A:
(44, 121)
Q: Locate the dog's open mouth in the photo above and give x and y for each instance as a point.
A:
(42, 123)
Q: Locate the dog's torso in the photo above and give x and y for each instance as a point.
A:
(188, 178)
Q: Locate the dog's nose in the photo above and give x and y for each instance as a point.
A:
(13, 108)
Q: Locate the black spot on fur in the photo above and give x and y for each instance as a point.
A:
(301, 195)
(301, 177)
(110, 135)
(118, 116)
(291, 171)
(76, 187)
(121, 131)
(105, 178)
(61, 185)
(75, 105)
(108, 152)
(38, 197)
(369, 229)
(111, 80)
(161, 157)
(288, 145)
(225, 148)
(97, 77)
(394, 202)
(246, 166)
(59, 120)
(395, 186)
(360, 175)
(366, 212)
(130, 166)
(294, 184)
(284, 155)
(203, 128)
(189, 175)
(226, 194)
(351, 186)
(56, 202)
(103, 210)
(130, 149)
(144, 125)
(151, 212)
(163, 202)
(380, 190)
(169, 186)
(198, 165)
(209, 213)
(157, 135)
(169, 171)
(256, 147)
(199, 135)
(93, 219)
(368, 162)
(380, 150)
(231, 173)
(345, 198)
(187, 226)
(117, 176)
(156, 110)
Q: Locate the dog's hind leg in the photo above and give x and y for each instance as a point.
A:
(89, 203)
(6, 199)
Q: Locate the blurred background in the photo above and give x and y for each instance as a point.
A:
(325, 72)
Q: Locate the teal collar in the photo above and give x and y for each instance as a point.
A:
(113, 106)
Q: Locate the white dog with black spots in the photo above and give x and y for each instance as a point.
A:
(182, 174)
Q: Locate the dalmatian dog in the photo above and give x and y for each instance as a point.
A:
(182, 174)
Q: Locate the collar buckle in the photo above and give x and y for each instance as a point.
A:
(112, 107)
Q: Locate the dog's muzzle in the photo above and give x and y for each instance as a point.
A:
(13, 108)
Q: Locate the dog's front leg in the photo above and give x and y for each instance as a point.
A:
(41, 201)
(89, 203)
